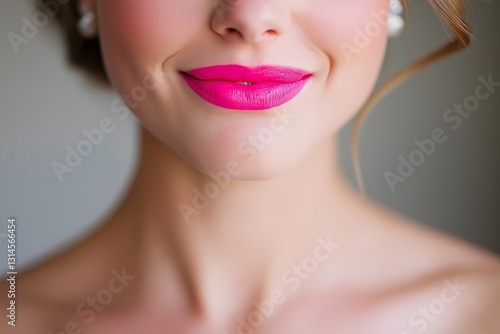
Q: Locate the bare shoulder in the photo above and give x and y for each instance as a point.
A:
(458, 302)
(480, 309)
(443, 284)
(43, 297)
(22, 312)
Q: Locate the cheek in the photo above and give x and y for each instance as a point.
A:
(348, 29)
(352, 33)
(137, 34)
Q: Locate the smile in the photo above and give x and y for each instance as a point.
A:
(243, 88)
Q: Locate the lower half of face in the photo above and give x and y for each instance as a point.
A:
(257, 84)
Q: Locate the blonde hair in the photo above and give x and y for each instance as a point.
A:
(452, 12)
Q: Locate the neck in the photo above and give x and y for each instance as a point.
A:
(237, 242)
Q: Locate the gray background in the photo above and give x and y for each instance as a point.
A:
(45, 106)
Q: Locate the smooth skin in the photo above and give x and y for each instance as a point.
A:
(287, 230)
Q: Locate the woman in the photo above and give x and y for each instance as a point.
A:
(238, 220)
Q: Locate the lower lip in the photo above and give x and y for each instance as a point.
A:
(258, 96)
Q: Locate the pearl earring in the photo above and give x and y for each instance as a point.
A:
(87, 25)
(395, 21)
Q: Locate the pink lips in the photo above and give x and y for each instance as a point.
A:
(265, 87)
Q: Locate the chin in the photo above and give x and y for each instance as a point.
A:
(250, 164)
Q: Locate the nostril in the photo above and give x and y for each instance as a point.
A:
(272, 32)
(231, 30)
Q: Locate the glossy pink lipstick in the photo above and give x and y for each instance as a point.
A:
(243, 88)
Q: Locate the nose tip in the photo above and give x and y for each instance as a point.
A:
(252, 21)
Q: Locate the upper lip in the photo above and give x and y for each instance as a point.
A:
(239, 73)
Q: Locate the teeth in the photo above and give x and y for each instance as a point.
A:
(246, 83)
